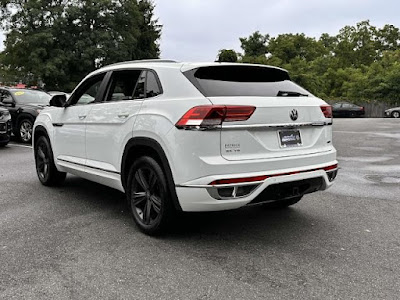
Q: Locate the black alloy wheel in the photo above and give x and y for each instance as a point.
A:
(42, 161)
(148, 196)
(45, 167)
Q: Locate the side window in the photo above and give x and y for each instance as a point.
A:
(5, 95)
(152, 87)
(122, 85)
(140, 87)
(347, 105)
(88, 92)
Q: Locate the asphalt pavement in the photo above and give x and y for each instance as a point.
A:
(78, 241)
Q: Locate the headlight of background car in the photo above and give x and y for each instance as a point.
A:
(4, 114)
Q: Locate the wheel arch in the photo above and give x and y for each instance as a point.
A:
(38, 132)
(24, 115)
(394, 111)
(143, 146)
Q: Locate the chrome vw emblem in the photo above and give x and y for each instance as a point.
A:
(294, 114)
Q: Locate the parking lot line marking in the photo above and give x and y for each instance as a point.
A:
(17, 145)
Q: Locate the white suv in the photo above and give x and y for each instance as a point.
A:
(189, 137)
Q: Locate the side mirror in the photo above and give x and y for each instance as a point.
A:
(58, 100)
(8, 102)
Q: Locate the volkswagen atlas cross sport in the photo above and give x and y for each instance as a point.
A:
(189, 137)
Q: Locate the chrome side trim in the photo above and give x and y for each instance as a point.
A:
(219, 185)
(282, 125)
(86, 166)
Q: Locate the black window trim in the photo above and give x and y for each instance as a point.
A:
(136, 85)
(73, 102)
(105, 96)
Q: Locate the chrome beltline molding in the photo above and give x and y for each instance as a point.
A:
(281, 125)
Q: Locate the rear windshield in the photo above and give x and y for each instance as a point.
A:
(223, 81)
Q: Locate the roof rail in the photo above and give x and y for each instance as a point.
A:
(144, 61)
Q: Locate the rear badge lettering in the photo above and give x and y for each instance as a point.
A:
(232, 148)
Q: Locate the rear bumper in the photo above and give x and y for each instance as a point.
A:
(4, 138)
(201, 197)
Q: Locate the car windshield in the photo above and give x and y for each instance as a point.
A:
(30, 96)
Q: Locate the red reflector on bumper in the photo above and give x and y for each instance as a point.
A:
(331, 167)
(239, 180)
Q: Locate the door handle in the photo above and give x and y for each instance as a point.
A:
(123, 115)
(82, 117)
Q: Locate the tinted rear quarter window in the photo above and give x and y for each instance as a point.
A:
(152, 87)
(223, 81)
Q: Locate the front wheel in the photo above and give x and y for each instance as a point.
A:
(148, 196)
(45, 167)
(395, 114)
(25, 127)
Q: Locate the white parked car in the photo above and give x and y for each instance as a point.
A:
(189, 136)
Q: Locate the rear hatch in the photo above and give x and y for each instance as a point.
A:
(287, 120)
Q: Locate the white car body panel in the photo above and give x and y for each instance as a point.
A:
(93, 146)
(198, 199)
(69, 139)
(112, 122)
(260, 140)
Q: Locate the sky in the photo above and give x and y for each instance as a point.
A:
(195, 30)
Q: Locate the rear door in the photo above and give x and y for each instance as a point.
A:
(287, 121)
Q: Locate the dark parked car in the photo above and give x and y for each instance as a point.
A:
(393, 112)
(5, 127)
(345, 109)
(24, 106)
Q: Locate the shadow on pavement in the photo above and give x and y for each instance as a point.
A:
(289, 224)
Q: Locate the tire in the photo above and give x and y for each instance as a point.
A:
(396, 114)
(44, 161)
(281, 204)
(24, 130)
(148, 198)
(3, 144)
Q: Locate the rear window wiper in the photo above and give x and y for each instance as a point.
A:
(291, 94)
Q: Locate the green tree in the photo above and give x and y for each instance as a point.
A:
(291, 46)
(255, 45)
(361, 62)
(227, 55)
(60, 41)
